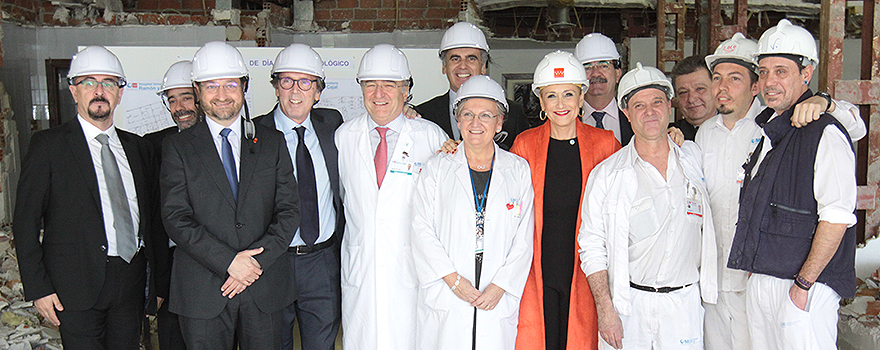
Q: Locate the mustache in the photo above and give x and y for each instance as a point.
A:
(600, 80)
(99, 99)
(183, 112)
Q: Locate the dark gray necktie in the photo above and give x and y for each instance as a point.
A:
(598, 115)
(126, 241)
(308, 190)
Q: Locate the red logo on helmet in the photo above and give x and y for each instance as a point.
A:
(559, 72)
(729, 48)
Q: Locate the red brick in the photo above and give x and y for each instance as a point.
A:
(431, 24)
(412, 13)
(177, 19)
(169, 4)
(346, 4)
(389, 4)
(325, 4)
(248, 21)
(361, 26)
(342, 14)
(383, 26)
(248, 33)
(322, 14)
(365, 4)
(190, 4)
(202, 20)
(435, 13)
(47, 6)
(415, 4)
(147, 5)
(441, 3)
(365, 14)
(332, 25)
(386, 14)
(149, 18)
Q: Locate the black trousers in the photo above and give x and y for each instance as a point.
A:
(318, 305)
(114, 322)
(556, 304)
(170, 337)
(241, 319)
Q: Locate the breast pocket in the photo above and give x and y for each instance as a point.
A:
(642, 219)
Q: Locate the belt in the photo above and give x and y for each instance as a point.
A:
(304, 249)
(657, 290)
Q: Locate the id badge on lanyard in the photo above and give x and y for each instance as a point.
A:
(693, 201)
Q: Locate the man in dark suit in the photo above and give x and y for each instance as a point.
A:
(298, 79)
(178, 96)
(89, 185)
(600, 58)
(230, 202)
(465, 53)
(693, 94)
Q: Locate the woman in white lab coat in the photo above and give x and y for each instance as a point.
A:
(472, 232)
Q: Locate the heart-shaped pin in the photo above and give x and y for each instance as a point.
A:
(509, 206)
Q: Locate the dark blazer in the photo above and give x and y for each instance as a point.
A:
(325, 121)
(162, 256)
(210, 227)
(437, 111)
(626, 129)
(689, 131)
(58, 188)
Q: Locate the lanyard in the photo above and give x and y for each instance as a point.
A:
(481, 205)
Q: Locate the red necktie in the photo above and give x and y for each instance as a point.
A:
(381, 157)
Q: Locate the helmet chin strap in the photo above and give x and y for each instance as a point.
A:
(250, 131)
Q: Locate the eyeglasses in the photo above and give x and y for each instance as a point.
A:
(484, 117)
(108, 84)
(380, 85)
(215, 87)
(600, 65)
(304, 84)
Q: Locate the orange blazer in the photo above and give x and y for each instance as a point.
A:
(594, 145)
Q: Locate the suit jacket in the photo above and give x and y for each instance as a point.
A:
(325, 121)
(594, 145)
(210, 227)
(437, 111)
(626, 130)
(161, 253)
(58, 188)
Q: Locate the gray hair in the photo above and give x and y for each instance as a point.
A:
(499, 107)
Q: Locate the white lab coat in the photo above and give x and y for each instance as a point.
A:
(379, 283)
(604, 234)
(444, 241)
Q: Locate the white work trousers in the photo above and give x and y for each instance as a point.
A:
(726, 325)
(776, 323)
(663, 321)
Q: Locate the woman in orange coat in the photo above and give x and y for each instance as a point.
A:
(557, 309)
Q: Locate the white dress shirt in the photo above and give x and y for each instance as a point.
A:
(611, 121)
(391, 136)
(234, 138)
(91, 131)
(326, 212)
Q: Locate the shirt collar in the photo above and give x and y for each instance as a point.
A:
(634, 155)
(286, 125)
(91, 131)
(215, 127)
(611, 110)
(395, 125)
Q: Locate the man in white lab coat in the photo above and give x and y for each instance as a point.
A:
(380, 155)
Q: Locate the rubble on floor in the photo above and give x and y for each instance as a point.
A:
(859, 324)
(21, 327)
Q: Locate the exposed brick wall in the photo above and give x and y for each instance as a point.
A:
(183, 6)
(24, 11)
(385, 15)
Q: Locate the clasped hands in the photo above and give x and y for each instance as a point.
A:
(243, 271)
(464, 290)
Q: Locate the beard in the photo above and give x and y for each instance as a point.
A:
(99, 114)
(224, 113)
(186, 124)
(722, 109)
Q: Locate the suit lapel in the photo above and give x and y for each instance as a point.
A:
(82, 157)
(325, 135)
(248, 163)
(203, 146)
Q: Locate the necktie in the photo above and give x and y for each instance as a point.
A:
(308, 190)
(229, 162)
(598, 115)
(381, 157)
(126, 241)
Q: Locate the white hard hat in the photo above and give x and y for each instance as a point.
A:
(737, 48)
(596, 47)
(786, 38)
(560, 67)
(96, 60)
(642, 77)
(384, 62)
(463, 34)
(299, 58)
(218, 60)
(179, 75)
(481, 86)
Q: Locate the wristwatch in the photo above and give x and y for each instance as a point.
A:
(827, 97)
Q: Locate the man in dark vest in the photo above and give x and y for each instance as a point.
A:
(465, 53)
(795, 229)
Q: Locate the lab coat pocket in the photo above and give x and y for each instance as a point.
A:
(353, 271)
(642, 219)
(437, 297)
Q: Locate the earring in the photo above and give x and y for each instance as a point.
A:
(581, 113)
(806, 82)
(542, 115)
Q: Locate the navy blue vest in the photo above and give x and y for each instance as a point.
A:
(778, 211)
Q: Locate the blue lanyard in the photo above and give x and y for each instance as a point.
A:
(481, 202)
